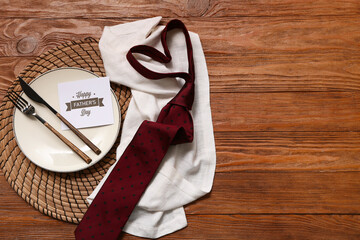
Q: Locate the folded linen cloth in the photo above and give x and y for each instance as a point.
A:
(187, 170)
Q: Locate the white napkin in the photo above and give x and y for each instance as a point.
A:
(187, 171)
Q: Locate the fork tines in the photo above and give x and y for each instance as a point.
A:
(17, 100)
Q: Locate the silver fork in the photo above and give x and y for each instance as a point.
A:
(25, 107)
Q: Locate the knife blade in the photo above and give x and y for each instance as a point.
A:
(36, 97)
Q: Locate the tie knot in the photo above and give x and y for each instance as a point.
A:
(179, 117)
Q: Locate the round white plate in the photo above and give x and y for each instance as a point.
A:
(41, 146)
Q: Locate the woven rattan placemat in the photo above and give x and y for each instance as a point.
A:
(59, 195)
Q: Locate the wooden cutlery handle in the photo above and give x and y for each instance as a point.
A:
(85, 157)
(79, 134)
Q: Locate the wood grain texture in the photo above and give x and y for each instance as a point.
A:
(261, 193)
(14, 212)
(293, 54)
(210, 227)
(237, 37)
(285, 99)
(286, 111)
(281, 193)
(287, 151)
(175, 8)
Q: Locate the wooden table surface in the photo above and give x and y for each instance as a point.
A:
(285, 98)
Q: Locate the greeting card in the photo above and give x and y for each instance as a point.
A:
(86, 103)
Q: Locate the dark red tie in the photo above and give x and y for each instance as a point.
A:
(128, 180)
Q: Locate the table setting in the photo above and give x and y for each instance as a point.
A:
(114, 134)
(283, 80)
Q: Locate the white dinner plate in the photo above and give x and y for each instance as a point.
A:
(41, 146)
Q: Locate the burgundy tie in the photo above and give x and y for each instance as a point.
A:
(120, 193)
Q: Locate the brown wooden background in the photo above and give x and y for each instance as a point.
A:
(285, 97)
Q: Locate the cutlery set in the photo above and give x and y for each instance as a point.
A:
(26, 108)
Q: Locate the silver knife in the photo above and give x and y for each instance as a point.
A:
(35, 97)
